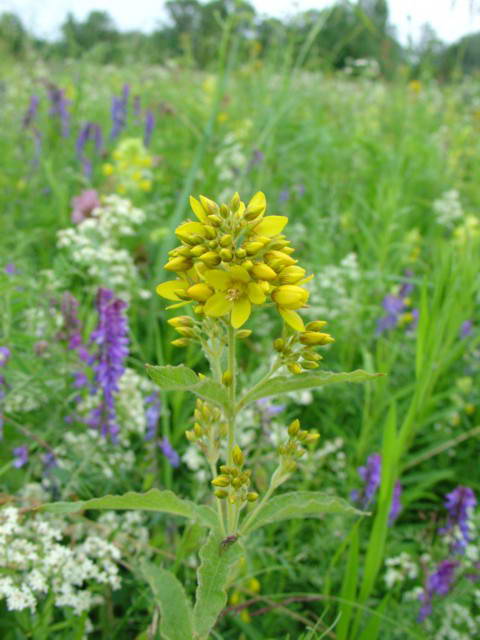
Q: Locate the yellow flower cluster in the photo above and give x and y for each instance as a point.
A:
(292, 449)
(233, 258)
(131, 166)
(233, 482)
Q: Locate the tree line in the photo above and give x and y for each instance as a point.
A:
(191, 31)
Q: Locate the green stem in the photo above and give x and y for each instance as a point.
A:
(232, 368)
(245, 400)
(221, 519)
(251, 517)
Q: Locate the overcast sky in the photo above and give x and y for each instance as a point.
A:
(450, 18)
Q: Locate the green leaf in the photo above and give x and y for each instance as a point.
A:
(182, 378)
(301, 504)
(349, 588)
(213, 575)
(286, 384)
(176, 611)
(153, 500)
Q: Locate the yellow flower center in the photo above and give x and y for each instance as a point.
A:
(234, 292)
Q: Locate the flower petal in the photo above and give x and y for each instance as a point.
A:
(292, 318)
(239, 273)
(218, 279)
(255, 293)
(258, 203)
(167, 289)
(240, 312)
(178, 305)
(198, 209)
(189, 228)
(217, 305)
(271, 226)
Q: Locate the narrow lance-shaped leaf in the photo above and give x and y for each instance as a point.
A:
(213, 575)
(154, 500)
(286, 384)
(175, 609)
(182, 378)
(301, 504)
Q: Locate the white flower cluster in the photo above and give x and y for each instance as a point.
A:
(94, 246)
(457, 623)
(448, 208)
(399, 568)
(196, 462)
(333, 295)
(90, 448)
(35, 561)
(331, 455)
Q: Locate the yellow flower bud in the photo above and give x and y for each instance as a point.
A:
(311, 356)
(211, 259)
(197, 430)
(279, 258)
(186, 252)
(214, 220)
(253, 247)
(316, 325)
(235, 201)
(256, 206)
(291, 275)
(227, 378)
(237, 483)
(254, 584)
(107, 169)
(199, 292)
(226, 469)
(252, 496)
(226, 241)
(295, 368)
(294, 428)
(279, 344)
(209, 205)
(243, 333)
(238, 456)
(290, 296)
(226, 255)
(312, 437)
(190, 435)
(315, 338)
(262, 271)
(210, 232)
(221, 481)
(198, 250)
(180, 342)
(220, 493)
(180, 321)
(240, 253)
(178, 264)
(310, 365)
(212, 244)
(224, 211)
(187, 332)
(290, 466)
(469, 409)
(302, 435)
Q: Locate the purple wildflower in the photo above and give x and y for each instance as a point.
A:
(438, 583)
(84, 204)
(31, 112)
(49, 462)
(149, 126)
(71, 331)
(268, 410)
(153, 408)
(370, 474)
(396, 504)
(257, 158)
(20, 456)
(466, 329)
(11, 269)
(111, 338)
(459, 503)
(394, 305)
(4, 356)
(169, 452)
(119, 112)
(90, 131)
(284, 195)
(59, 107)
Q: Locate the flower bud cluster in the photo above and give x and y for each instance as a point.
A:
(233, 483)
(293, 449)
(185, 326)
(131, 168)
(208, 430)
(234, 257)
(298, 353)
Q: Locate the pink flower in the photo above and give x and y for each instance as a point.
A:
(83, 205)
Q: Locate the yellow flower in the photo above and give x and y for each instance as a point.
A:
(235, 292)
(289, 297)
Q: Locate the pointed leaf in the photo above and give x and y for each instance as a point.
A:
(154, 500)
(182, 378)
(301, 504)
(286, 384)
(214, 572)
(175, 609)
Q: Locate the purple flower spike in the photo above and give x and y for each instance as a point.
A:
(284, 195)
(169, 452)
(90, 132)
(438, 583)
(11, 269)
(459, 503)
(370, 474)
(111, 338)
(4, 356)
(396, 505)
(149, 126)
(153, 410)
(257, 158)
(466, 329)
(119, 112)
(31, 112)
(20, 456)
(59, 108)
